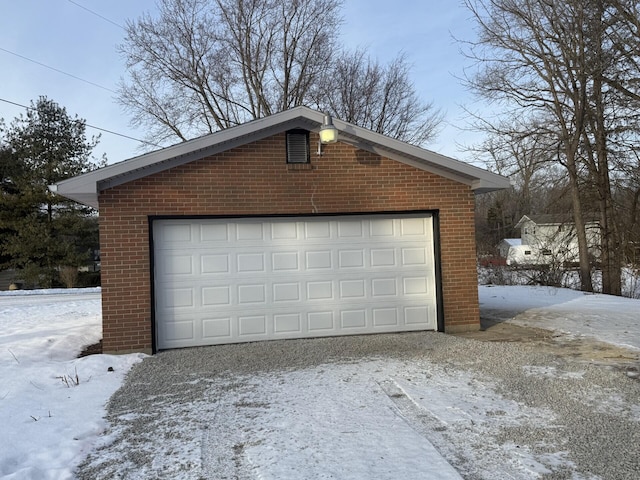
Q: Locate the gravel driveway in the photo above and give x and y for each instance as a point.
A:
(575, 419)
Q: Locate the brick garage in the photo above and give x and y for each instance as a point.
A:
(243, 173)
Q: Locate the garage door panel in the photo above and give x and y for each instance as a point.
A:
(250, 262)
(176, 233)
(177, 264)
(414, 256)
(413, 227)
(350, 319)
(318, 260)
(286, 292)
(287, 323)
(382, 227)
(216, 329)
(274, 290)
(216, 296)
(251, 294)
(284, 262)
(350, 229)
(180, 331)
(383, 257)
(214, 264)
(351, 258)
(285, 231)
(252, 325)
(249, 231)
(385, 317)
(225, 281)
(383, 287)
(321, 290)
(320, 322)
(415, 285)
(418, 315)
(178, 298)
(317, 230)
(257, 326)
(352, 289)
(216, 232)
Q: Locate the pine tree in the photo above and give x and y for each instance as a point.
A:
(42, 232)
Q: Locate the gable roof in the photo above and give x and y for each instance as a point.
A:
(84, 188)
(513, 242)
(552, 219)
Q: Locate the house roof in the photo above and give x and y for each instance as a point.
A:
(85, 188)
(551, 219)
(514, 242)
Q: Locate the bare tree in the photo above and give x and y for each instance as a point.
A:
(519, 148)
(624, 144)
(206, 65)
(520, 50)
(379, 97)
(560, 60)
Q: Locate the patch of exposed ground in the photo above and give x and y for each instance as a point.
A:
(94, 349)
(581, 349)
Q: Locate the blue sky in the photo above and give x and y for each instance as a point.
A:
(62, 35)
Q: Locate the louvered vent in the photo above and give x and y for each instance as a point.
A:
(298, 146)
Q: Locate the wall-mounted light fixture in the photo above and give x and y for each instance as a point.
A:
(328, 132)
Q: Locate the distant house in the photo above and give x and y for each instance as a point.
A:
(506, 245)
(551, 238)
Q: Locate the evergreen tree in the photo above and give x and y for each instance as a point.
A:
(41, 232)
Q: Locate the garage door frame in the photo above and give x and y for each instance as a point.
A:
(436, 246)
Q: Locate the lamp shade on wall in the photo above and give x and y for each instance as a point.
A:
(328, 131)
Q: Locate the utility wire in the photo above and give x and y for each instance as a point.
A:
(96, 14)
(89, 125)
(80, 79)
(57, 70)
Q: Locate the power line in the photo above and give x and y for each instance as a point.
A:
(96, 14)
(80, 79)
(57, 70)
(89, 125)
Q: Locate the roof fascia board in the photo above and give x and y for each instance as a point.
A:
(486, 185)
(211, 150)
(421, 165)
(84, 188)
(522, 220)
(446, 166)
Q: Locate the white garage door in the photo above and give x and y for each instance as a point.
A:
(226, 281)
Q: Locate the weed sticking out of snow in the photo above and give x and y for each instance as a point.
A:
(71, 380)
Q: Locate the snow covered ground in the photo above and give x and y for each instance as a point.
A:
(609, 319)
(52, 404)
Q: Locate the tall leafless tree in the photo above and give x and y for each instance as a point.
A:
(200, 66)
(560, 59)
(205, 65)
(520, 149)
(362, 91)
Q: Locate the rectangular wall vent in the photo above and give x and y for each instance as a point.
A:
(298, 146)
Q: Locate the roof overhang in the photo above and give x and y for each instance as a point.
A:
(85, 188)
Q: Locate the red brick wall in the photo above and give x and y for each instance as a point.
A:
(255, 180)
